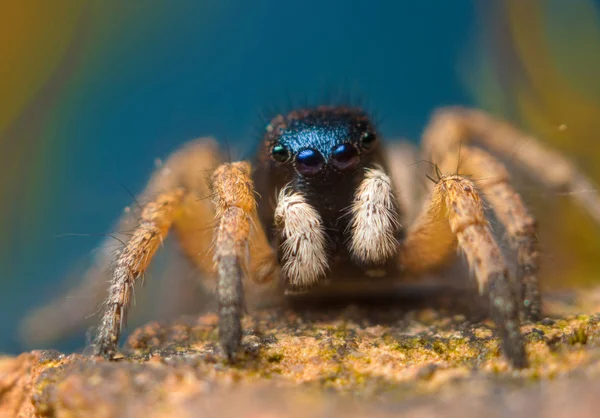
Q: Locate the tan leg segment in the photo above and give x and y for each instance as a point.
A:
(455, 215)
(155, 221)
(450, 127)
(189, 169)
(235, 207)
(494, 181)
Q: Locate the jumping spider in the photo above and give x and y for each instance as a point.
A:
(325, 199)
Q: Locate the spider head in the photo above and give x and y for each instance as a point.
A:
(321, 143)
(315, 162)
(320, 153)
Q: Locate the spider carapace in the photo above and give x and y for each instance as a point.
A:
(325, 199)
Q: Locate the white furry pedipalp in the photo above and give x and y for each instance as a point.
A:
(374, 219)
(304, 259)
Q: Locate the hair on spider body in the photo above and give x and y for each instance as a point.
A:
(322, 154)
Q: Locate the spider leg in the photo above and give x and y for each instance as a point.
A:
(494, 181)
(155, 221)
(454, 216)
(181, 183)
(66, 315)
(235, 210)
(452, 126)
(177, 199)
(176, 196)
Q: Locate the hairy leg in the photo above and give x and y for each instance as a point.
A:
(454, 216)
(235, 211)
(176, 196)
(188, 168)
(452, 126)
(494, 181)
(155, 221)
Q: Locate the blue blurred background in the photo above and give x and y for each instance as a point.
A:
(96, 91)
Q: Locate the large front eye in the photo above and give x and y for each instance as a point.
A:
(280, 153)
(345, 157)
(309, 162)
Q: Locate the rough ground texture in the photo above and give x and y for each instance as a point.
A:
(353, 361)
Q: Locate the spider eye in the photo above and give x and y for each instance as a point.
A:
(280, 153)
(345, 157)
(309, 162)
(367, 140)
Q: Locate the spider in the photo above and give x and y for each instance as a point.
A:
(326, 200)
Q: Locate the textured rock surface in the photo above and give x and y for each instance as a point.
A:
(354, 361)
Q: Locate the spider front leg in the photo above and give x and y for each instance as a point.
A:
(442, 140)
(235, 210)
(455, 216)
(494, 181)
